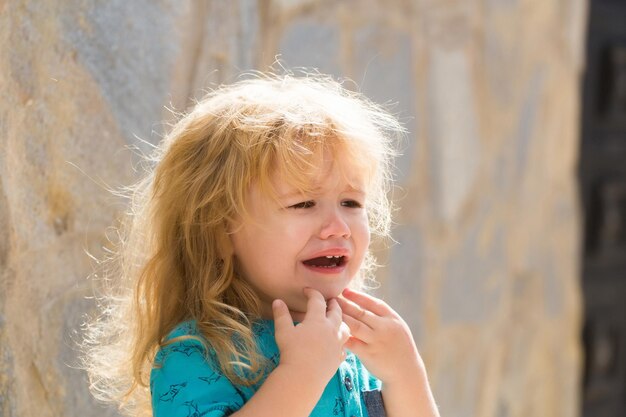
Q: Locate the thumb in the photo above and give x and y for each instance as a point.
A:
(282, 318)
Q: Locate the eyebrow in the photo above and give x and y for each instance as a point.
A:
(316, 191)
(293, 194)
(352, 189)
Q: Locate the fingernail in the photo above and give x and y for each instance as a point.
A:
(276, 303)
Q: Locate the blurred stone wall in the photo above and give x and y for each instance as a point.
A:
(485, 268)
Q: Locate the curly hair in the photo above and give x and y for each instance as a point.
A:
(174, 260)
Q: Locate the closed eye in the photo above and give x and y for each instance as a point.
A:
(303, 205)
(351, 204)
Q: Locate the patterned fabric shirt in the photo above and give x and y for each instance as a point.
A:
(184, 383)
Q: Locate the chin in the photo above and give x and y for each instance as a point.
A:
(329, 293)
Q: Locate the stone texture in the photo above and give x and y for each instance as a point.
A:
(452, 130)
(485, 263)
(306, 42)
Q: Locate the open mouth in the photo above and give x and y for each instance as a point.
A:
(326, 262)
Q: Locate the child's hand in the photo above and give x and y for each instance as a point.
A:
(314, 347)
(383, 342)
(380, 338)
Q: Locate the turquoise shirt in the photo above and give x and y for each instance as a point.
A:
(183, 383)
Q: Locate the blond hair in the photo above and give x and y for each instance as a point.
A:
(174, 261)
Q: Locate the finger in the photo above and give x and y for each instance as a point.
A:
(356, 346)
(297, 316)
(357, 312)
(358, 329)
(334, 311)
(366, 301)
(344, 332)
(282, 318)
(316, 304)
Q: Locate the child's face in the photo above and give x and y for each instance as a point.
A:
(316, 241)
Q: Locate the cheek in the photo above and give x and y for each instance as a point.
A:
(259, 250)
(361, 237)
(363, 229)
(289, 236)
(248, 246)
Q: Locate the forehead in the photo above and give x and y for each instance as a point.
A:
(330, 172)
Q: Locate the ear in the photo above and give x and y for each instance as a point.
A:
(224, 244)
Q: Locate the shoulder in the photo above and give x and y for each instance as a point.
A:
(185, 379)
(184, 339)
(186, 328)
(182, 358)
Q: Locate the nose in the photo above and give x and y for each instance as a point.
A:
(334, 225)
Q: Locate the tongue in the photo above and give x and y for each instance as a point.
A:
(322, 261)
